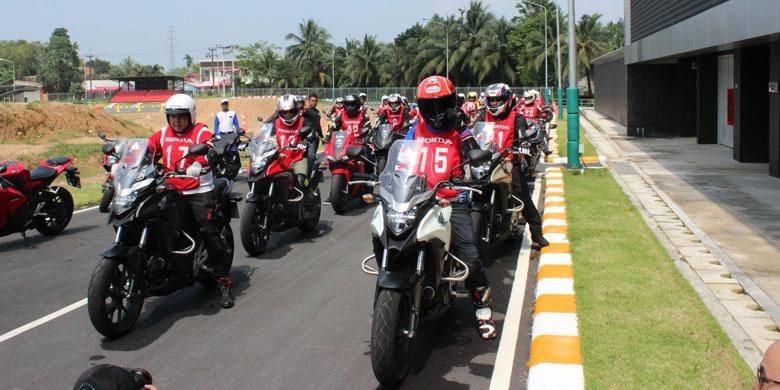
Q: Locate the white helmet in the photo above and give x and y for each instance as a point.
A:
(362, 95)
(536, 94)
(384, 98)
(529, 97)
(181, 103)
(395, 102)
(288, 109)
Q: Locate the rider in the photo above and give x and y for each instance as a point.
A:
(383, 106)
(499, 111)
(471, 106)
(438, 128)
(285, 128)
(337, 109)
(396, 114)
(171, 143)
(353, 119)
(363, 105)
(225, 121)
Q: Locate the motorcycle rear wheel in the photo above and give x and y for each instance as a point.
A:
(389, 345)
(254, 238)
(338, 198)
(111, 311)
(60, 210)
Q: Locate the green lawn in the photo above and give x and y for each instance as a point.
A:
(563, 137)
(642, 325)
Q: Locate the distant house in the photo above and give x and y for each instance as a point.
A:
(215, 74)
(21, 92)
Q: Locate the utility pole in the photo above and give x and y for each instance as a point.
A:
(211, 55)
(172, 63)
(558, 34)
(333, 70)
(228, 50)
(91, 68)
(573, 98)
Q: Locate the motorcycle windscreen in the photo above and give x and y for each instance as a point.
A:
(383, 136)
(339, 144)
(403, 182)
(134, 170)
(486, 136)
(262, 146)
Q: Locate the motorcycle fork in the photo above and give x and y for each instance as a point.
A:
(414, 317)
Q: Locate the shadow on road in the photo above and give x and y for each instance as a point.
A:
(32, 242)
(162, 313)
(280, 244)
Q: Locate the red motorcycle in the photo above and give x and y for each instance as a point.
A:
(346, 163)
(29, 201)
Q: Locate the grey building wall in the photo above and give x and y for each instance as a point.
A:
(609, 78)
(650, 16)
(715, 29)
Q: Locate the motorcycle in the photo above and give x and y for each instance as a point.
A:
(158, 249)
(29, 201)
(230, 146)
(535, 142)
(416, 274)
(111, 149)
(274, 202)
(496, 214)
(346, 162)
(383, 137)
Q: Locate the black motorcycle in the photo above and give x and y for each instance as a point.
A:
(496, 213)
(415, 272)
(536, 143)
(158, 248)
(111, 150)
(275, 202)
(230, 147)
(382, 138)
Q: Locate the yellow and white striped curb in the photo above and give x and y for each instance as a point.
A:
(555, 361)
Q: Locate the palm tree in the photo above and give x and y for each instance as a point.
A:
(363, 63)
(493, 58)
(473, 26)
(432, 48)
(588, 44)
(310, 50)
(188, 61)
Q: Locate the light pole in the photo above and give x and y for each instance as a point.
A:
(558, 34)
(13, 77)
(446, 43)
(333, 78)
(572, 99)
(546, 78)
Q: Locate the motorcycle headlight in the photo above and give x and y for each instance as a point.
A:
(259, 162)
(111, 159)
(478, 172)
(122, 203)
(398, 222)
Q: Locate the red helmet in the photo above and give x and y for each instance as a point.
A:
(436, 100)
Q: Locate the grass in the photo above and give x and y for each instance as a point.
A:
(641, 323)
(563, 137)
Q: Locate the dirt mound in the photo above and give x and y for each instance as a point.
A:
(38, 122)
(248, 109)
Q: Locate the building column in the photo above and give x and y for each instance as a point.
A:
(774, 110)
(707, 99)
(751, 104)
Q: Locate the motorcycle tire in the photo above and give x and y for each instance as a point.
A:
(226, 233)
(338, 198)
(389, 345)
(479, 233)
(60, 208)
(105, 201)
(106, 300)
(315, 203)
(254, 238)
(380, 164)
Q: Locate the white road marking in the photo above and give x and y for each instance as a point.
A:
(505, 357)
(42, 320)
(85, 210)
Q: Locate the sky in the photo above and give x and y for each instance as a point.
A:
(114, 30)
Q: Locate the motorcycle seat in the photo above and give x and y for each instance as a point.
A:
(57, 161)
(42, 173)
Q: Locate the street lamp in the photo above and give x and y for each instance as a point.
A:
(13, 77)
(333, 78)
(558, 34)
(572, 98)
(446, 42)
(546, 78)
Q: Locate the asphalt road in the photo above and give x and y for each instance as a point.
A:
(302, 317)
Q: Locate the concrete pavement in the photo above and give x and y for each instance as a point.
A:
(302, 317)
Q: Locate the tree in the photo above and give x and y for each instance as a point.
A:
(310, 48)
(363, 63)
(26, 57)
(188, 61)
(259, 62)
(588, 45)
(99, 67)
(60, 65)
(493, 58)
(125, 67)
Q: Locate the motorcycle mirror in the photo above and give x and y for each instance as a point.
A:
(304, 131)
(108, 148)
(260, 119)
(479, 156)
(2, 169)
(241, 132)
(197, 150)
(102, 135)
(354, 152)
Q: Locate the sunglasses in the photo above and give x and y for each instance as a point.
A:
(761, 376)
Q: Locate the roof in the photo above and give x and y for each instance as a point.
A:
(611, 56)
(136, 78)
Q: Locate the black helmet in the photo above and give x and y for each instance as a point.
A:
(352, 104)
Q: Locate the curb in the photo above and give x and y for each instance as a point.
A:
(555, 361)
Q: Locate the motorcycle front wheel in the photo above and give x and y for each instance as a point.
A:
(338, 196)
(314, 209)
(113, 307)
(105, 201)
(389, 345)
(254, 237)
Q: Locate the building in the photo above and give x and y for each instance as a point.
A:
(698, 68)
(21, 92)
(217, 73)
